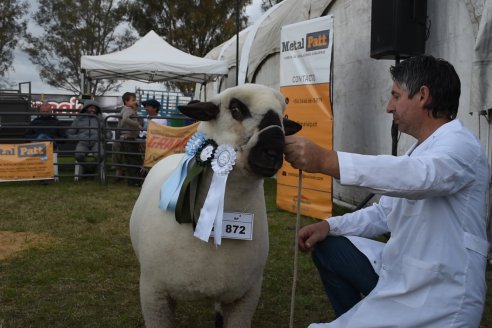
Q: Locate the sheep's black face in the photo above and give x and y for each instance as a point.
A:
(249, 118)
(265, 158)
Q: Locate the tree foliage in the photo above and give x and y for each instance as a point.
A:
(12, 26)
(70, 29)
(267, 4)
(193, 26)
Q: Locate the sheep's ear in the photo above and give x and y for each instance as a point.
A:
(291, 127)
(200, 111)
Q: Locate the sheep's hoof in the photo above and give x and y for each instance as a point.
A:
(219, 320)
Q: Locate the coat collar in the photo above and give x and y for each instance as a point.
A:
(453, 125)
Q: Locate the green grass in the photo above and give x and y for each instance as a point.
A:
(88, 276)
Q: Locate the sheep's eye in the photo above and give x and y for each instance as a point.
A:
(236, 113)
(239, 111)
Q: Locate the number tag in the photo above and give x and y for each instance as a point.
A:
(237, 226)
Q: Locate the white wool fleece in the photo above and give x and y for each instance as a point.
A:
(258, 98)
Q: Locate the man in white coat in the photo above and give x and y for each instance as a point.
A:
(431, 272)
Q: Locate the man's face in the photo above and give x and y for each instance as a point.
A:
(92, 109)
(406, 112)
(132, 103)
(45, 108)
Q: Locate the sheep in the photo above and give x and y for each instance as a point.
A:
(176, 266)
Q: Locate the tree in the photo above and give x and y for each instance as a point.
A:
(267, 4)
(193, 26)
(11, 29)
(71, 29)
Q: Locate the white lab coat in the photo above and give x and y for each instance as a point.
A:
(432, 269)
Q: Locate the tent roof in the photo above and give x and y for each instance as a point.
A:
(261, 40)
(151, 59)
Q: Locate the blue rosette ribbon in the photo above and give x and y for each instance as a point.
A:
(170, 189)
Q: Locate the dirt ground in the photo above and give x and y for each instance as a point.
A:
(12, 243)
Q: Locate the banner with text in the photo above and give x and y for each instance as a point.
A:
(27, 161)
(164, 140)
(305, 72)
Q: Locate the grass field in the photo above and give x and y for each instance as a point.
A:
(82, 271)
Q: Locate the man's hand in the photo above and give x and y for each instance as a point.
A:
(305, 155)
(309, 235)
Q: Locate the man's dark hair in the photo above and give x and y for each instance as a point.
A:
(438, 75)
(127, 95)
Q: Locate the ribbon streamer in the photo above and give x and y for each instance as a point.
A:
(171, 188)
(185, 206)
(212, 212)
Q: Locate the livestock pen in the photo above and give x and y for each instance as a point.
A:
(19, 107)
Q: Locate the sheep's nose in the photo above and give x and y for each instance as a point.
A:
(271, 152)
(272, 158)
(266, 157)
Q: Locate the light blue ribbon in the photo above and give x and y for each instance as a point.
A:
(170, 189)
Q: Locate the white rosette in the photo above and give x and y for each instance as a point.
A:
(212, 212)
(206, 153)
(170, 189)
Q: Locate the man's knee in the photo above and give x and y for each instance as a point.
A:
(331, 245)
(80, 157)
(328, 250)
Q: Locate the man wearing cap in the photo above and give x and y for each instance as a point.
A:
(152, 107)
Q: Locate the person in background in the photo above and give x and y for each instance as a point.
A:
(431, 271)
(129, 101)
(152, 107)
(129, 127)
(88, 130)
(46, 126)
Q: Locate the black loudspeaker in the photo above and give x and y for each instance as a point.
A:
(398, 28)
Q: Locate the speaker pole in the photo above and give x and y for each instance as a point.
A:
(394, 126)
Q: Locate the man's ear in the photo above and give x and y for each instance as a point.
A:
(425, 96)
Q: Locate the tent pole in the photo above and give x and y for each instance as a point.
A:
(82, 82)
(237, 42)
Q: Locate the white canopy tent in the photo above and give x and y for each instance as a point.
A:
(152, 59)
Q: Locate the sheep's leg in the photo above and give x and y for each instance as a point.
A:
(158, 309)
(240, 313)
(219, 317)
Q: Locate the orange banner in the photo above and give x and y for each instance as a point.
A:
(28, 161)
(164, 140)
(308, 105)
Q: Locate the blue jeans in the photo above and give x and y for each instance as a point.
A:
(346, 273)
